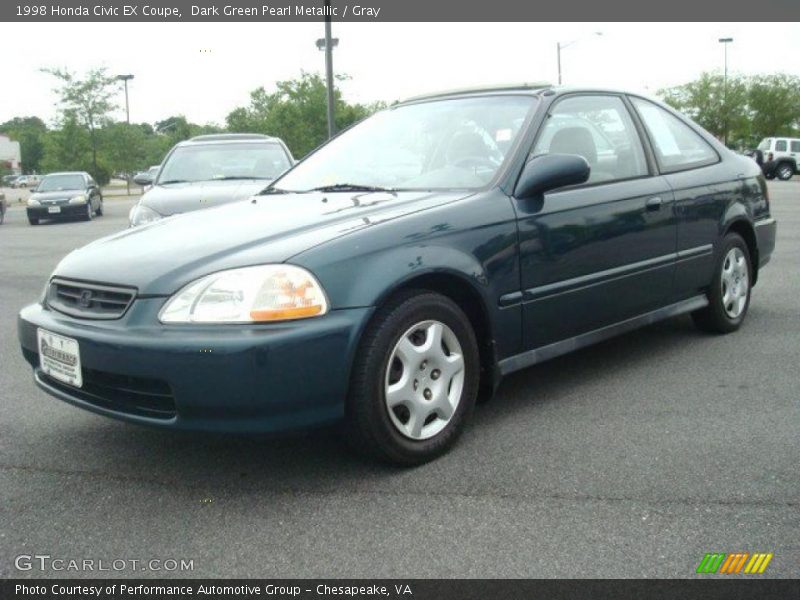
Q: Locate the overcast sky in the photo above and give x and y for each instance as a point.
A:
(203, 70)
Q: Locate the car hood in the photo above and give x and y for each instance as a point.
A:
(184, 197)
(57, 195)
(163, 256)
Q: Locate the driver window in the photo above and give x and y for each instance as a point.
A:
(600, 129)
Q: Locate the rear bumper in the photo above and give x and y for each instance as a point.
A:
(766, 230)
(241, 378)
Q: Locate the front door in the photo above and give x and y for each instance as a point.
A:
(599, 253)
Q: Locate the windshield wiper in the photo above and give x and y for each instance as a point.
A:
(351, 187)
(172, 181)
(273, 190)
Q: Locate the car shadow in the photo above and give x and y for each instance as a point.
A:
(318, 461)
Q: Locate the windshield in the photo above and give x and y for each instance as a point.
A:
(224, 161)
(57, 183)
(456, 143)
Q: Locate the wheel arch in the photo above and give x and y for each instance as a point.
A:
(457, 287)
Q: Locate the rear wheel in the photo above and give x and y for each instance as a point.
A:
(99, 211)
(729, 294)
(414, 380)
(785, 171)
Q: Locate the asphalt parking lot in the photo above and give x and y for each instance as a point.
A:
(632, 458)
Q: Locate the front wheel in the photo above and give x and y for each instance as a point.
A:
(785, 171)
(414, 379)
(89, 215)
(729, 293)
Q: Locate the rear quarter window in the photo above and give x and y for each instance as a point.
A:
(677, 146)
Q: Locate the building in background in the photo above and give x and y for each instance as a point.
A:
(10, 153)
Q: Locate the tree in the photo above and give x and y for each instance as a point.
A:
(755, 107)
(67, 148)
(296, 112)
(30, 133)
(177, 129)
(88, 99)
(774, 102)
(718, 107)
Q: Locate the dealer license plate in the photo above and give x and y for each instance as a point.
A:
(60, 357)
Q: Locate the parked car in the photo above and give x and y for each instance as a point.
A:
(150, 174)
(400, 270)
(3, 207)
(64, 195)
(780, 157)
(24, 181)
(8, 180)
(207, 171)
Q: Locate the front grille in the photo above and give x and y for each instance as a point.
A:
(89, 300)
(121, 393)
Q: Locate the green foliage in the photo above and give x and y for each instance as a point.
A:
(296, 112)
(68, 147)
(30, 133)
(748, 109)
(87, 99)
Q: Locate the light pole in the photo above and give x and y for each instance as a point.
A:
(328, 44)
(125, 79)
(561, 45)
(725, 42)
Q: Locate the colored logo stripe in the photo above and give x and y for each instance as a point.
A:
(758, 563)
(731, 564)
(710, 563)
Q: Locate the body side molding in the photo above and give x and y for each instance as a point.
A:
(538, 355)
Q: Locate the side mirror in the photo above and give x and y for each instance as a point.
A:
(549, 172)
(143, 179)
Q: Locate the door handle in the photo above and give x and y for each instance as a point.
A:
(653, 203)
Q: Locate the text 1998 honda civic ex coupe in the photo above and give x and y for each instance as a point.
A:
(394, 275)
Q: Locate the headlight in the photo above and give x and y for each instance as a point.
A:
(79, 199)
(33, 202)
(142, 215)
(248, 295)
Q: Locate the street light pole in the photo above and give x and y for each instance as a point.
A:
(725, 42)
(327, 44)
(558, 49)
(329, 69)
(125, 79)
(561, 45)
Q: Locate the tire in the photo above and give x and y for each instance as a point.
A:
(785, 171)
(730, 290)
(412, 432)
(99, 211)
(33, 220)
(89, 212)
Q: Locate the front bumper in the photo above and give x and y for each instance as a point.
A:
(766, 230)
(228, 378)
(67, 211)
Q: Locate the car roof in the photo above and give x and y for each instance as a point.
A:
(521, 88)
(527, 89)
(84, 173)
(222, 138)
